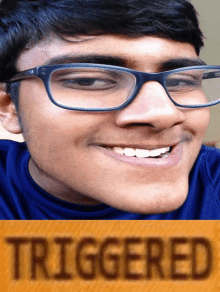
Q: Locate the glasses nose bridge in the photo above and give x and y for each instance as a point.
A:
(158, 77)
(146, 77)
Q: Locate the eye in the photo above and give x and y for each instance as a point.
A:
(85, 81)
(89, 83)
(182, 82)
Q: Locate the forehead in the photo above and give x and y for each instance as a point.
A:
(137, 53)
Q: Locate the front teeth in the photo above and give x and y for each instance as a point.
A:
(118, 150)
(129, 152)
(141, 152)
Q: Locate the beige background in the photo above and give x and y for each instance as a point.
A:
(209, 15)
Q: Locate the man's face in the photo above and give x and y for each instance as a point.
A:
(72, 153)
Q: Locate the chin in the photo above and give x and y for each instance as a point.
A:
(154, 201)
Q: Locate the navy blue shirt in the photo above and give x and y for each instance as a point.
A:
(22, 198)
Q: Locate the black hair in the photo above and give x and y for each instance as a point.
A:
(26, 22)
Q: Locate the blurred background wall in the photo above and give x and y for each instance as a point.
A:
(209, 15)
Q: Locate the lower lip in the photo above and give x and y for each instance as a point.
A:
(173, 158)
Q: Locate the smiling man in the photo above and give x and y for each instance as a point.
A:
(113, 103)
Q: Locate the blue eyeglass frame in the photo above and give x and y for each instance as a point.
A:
(44, 73)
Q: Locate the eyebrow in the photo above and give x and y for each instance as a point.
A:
(180, 63)
(174, 63)
(90, 58)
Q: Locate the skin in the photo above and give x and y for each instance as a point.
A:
(65, 159)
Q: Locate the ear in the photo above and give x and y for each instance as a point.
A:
(8, 113)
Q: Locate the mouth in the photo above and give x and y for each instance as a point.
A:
(143, 153)
(153, 157)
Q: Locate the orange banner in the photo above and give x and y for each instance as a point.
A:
(109, 256)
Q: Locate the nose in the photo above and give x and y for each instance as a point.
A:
(151, 107)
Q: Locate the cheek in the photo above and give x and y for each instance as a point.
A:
(198, 121)
(37, 112)
(47, 125)
(197, 124)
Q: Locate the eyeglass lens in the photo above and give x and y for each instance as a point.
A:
(194, 87)
(90, 88)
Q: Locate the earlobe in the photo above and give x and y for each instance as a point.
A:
(8, 113)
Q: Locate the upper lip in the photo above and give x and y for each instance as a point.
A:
(147, 143)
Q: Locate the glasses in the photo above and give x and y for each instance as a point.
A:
(93, 87)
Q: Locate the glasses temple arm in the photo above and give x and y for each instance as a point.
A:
(212, 75)
(23, 75)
